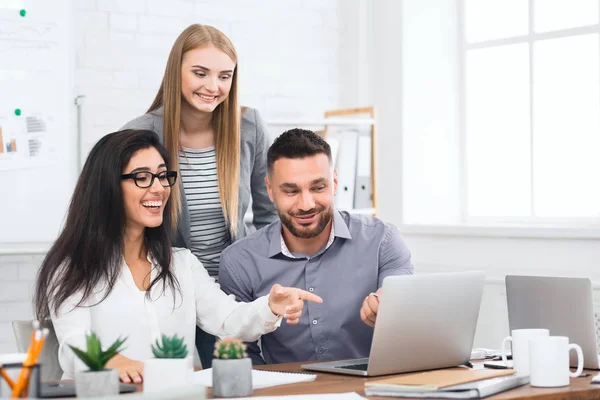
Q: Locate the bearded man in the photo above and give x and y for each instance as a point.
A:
(341, 257)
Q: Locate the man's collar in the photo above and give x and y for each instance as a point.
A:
(339, 229)
(275, 243)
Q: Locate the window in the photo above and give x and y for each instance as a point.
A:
(530, 110)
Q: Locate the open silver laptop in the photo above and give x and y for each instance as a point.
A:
(424, 322)
(564, 306)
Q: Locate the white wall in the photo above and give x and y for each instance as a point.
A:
(424, 201)
(288, 54)
(288, 57)
(17, 272)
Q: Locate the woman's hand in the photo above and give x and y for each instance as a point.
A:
(129, 370)
(289, 302)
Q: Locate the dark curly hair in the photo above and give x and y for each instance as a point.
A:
(297, 143)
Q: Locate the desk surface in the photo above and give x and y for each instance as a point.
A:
(580, 388)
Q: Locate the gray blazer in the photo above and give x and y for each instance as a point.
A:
(253, 170)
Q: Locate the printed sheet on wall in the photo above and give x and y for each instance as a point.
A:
(37, 140)
(33, 82)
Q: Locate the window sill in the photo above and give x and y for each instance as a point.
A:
(17, 249)
(503, 231)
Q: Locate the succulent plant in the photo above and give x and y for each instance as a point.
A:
(229, 348)
(95, 358)
(170, 347)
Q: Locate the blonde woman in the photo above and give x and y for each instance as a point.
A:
(218, 149)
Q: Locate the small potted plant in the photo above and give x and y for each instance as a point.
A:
(97, 381)
(171, 367)
(232, 369)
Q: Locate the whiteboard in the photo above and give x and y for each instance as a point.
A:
(37, 138)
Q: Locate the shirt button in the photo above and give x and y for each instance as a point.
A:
(320, 351)
(315, 321)
(311, 289)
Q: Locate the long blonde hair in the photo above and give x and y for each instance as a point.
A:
(225, 118)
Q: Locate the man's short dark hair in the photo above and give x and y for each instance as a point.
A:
(297, 143)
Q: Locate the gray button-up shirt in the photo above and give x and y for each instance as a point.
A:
(364, 251)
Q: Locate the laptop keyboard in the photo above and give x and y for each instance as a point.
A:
(358, 367)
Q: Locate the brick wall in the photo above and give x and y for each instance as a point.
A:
(16, 288)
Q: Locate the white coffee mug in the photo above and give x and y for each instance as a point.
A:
(549, 361)
(520, 348)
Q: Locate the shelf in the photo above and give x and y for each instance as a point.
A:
(359, 116)
(327, 121)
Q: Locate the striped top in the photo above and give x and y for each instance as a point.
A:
(210, 235)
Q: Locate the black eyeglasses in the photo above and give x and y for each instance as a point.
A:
(145, 179)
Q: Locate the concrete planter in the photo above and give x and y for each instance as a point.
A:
(232, 378)
(97, 383)
(167, 373)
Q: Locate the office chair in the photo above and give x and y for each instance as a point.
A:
(51, 369)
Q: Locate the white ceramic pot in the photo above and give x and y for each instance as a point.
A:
(167, 373)
(97, 383)
(232, 378)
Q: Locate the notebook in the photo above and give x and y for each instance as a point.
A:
(471, 390)
(328, 396)
(260, 379)
(437, 379)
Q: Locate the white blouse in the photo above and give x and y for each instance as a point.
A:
(127, 312)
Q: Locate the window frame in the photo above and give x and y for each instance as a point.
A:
(530, 38)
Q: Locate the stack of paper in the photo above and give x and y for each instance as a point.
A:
(260, 379)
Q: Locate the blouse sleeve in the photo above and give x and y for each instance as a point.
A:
(71, 324)
(220, 315)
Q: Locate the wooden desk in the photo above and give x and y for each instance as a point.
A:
(580, 388)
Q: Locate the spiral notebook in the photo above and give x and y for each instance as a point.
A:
(260, 379)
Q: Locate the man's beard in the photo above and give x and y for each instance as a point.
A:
(307, 233)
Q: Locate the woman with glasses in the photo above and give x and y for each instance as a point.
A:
(218, 149)
(113, 271)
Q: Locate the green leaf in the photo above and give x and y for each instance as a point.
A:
(87, 360)
(157, 354)
(116, 347)
(94, 357)
(181, 353)
(177, 342)
(169, 347)
(157, 350)
(93, 347)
